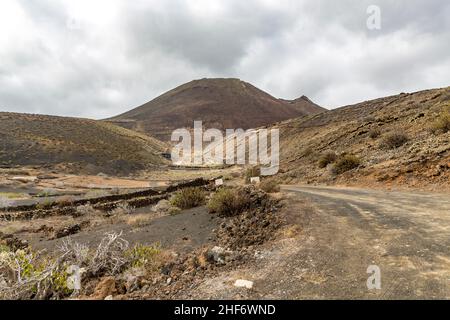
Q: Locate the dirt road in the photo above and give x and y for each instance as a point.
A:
(342, 232)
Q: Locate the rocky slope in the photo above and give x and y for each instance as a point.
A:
(392, 137)
(77, 144)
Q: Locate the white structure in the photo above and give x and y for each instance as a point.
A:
(255, 180)
(243, 284)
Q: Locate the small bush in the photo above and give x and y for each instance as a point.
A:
(393, 140)
(252, 172)
(269, 186)
(229, 202)
(346, 163)
(143, 256)
(327, 158)
(25, 275)
(86, 209)
(308, 152)
(66, 201)
(45, 205)
(110, 256)
(122, 208)
(442, 123)
(189, 198)
(374, 133)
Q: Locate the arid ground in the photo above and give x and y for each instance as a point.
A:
(323, 242)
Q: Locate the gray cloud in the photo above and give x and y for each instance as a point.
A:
(100, 58)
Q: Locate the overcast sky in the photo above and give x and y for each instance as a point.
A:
(98, 58)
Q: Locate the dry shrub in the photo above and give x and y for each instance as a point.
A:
(229, 202)
(346, 163)
(374, 133)
(25, 274)
(442, 123)
(308, 152)
(189, 198)
(109, 258)
(86, 209)
(66, 201)
(393, 140)
(326, 159)
(269, 186)
(45, 205)
(122, 208)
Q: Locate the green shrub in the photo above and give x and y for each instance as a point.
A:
(188, 198)
(142, 256)
(346, 163)
(327, 158)
(229, 202)
(393, 140)
(442, 123)
(60, 280)
(269, 186)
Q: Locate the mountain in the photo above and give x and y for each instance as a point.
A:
(218, 103)
(305, 105)
(399, 140)
(75, 144)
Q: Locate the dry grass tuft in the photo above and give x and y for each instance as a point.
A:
(138, 220)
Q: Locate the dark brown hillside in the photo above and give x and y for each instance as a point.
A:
(399, 140)
(304, 104)
(219, 103)
(80, 144)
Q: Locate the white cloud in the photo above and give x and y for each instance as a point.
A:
(99, 58)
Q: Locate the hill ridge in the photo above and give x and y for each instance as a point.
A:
(220, 103)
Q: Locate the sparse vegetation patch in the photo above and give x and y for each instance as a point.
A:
(346, 163)
(122, 208)
(189, 198)
(269, 186)
(327, 158)
(26, 274)
(442, 123)
(393, 140)
(229, 202)
(374, 133)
